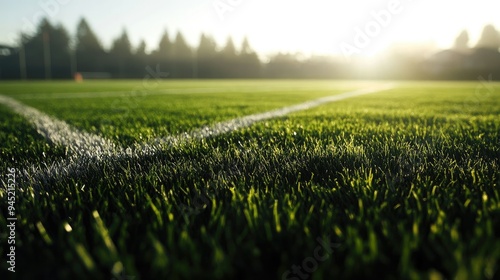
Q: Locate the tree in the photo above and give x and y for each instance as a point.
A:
(141, 49)
(86, 40)
(462, 41)
(245, 47)
(121, 45)
(206, 57)
(121, 54)
(228, 60)
(140, 60)
(60, 52)
(47, 52)
(181, 48)
(182, 58)
(283, 66)
(229, 50)
(249, 61)
(490, 38)
(165, 46)
(90, 55)
(164, 53)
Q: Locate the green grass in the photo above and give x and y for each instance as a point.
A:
(404, 182)
(21, 144)
(127, 112)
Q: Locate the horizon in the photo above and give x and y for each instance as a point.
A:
(292, 28)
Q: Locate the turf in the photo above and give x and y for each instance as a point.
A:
(402, 184)
(21, 144)
(127, 112)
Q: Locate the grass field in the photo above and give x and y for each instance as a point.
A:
(401, 183)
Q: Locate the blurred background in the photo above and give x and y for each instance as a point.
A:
(208, 39)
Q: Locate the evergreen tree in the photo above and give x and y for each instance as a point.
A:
(182, 58)
(140, 59)
(121, 55)
(249, 66)
(90, 55)
(165, 46)
(47, 52)
(228, 60)
(490, 38)
(462, 41)
(141, 49)
(60, 53)
(229, 50)
(163, 56)
(206, 55)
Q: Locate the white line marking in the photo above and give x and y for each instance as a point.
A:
(60, 133)
(91, 149)
(235, 124)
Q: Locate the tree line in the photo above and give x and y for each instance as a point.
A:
(51, 53)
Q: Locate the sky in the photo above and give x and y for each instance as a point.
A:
(322, 27)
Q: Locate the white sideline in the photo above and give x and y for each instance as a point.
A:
(60, 133)
(235, 124)
(86, 146)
